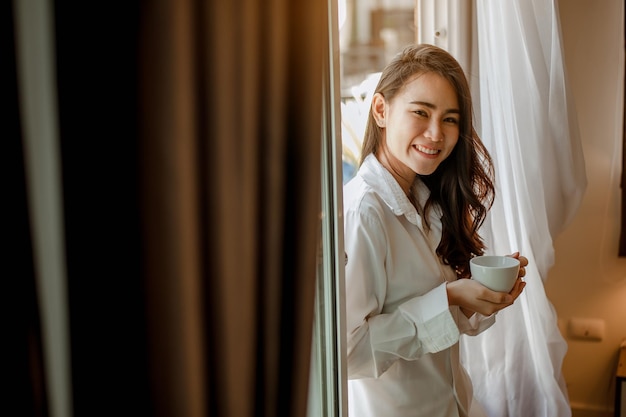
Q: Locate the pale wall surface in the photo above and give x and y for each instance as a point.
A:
(588, 279)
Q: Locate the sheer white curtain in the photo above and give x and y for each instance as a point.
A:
(528, 123)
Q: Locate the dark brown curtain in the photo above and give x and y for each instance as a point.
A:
(190, 139)
(231, 139)
(97, 61)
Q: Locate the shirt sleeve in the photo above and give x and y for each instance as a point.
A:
(375, 340)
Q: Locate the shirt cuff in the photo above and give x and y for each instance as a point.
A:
(475, 324)
(431, 315)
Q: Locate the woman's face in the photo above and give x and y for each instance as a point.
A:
(420, 125)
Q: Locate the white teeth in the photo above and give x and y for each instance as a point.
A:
(427, 150)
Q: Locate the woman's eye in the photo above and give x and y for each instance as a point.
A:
(421, 113)
(451, 120)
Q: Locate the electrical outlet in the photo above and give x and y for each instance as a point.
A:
(586, 329)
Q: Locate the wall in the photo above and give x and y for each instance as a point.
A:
(588, 280)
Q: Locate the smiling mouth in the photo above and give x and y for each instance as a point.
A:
(427, 151)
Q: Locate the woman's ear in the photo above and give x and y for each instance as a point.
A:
(379, 107)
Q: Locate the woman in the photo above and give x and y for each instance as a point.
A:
(412, 214)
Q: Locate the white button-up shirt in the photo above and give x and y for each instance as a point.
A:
(402, 341)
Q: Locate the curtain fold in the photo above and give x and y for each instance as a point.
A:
(172, 214)
(528, 124)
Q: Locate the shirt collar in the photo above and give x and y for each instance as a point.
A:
(385, 185)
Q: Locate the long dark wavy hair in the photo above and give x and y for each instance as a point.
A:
(463, 184)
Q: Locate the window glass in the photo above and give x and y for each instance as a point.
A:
(371, 32)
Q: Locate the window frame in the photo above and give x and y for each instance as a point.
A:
(328, 378)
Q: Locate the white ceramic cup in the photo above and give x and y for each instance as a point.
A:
(498, 273)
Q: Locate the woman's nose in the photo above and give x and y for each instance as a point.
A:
(434, 132)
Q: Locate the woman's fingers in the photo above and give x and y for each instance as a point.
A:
(523, 262)
(517, 288)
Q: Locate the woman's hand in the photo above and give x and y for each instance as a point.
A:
(472, 296)
(523, 263)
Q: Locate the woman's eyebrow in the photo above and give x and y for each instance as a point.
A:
(432, 106)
